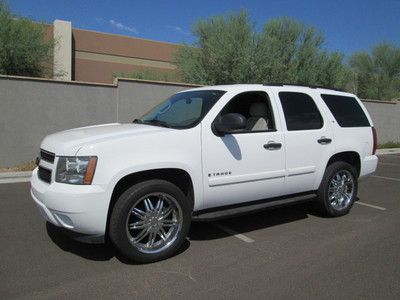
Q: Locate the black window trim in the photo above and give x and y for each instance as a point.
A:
(319, 111)
(245, 131)
(333, 115)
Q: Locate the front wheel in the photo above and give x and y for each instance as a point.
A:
(150, 221)
(338, 189)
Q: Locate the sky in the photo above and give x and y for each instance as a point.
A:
(348, 26)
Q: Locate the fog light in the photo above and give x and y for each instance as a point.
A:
(64, 220)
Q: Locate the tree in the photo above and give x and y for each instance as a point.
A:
(223, 52)
(229, 50)
(292, 53)
(378, 73)
(23, 48)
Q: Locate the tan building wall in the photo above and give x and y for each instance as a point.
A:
(100, 71)
(97, 56)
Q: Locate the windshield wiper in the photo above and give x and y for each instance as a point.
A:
(138, 121)
(157, 122)
(152, 122)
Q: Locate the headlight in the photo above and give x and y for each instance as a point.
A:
(76, 169)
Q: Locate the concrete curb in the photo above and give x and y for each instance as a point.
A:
(388, 151)
(14, 177)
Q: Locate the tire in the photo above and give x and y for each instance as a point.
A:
(338, 189)
(150, 221)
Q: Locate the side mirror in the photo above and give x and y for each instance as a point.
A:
(229, 123)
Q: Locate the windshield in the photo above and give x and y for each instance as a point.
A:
(182, 110)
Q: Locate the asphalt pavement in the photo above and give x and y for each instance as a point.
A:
(290, 252)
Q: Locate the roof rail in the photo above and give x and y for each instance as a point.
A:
(303, 85)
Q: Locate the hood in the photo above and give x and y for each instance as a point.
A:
(68, 142)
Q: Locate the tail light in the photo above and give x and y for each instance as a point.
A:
(375, 143)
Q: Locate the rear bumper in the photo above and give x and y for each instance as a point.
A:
(81, 209)
(368, 165)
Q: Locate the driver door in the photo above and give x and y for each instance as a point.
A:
(243, 166)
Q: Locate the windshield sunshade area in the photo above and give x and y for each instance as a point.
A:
(182, 110)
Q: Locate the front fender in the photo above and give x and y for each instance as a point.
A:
(194, 176)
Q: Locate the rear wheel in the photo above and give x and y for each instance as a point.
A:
(150, 221)
(338, 189)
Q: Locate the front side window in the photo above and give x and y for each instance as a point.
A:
(182, 110)
(300, 111)
(255, 106)
(346, 110)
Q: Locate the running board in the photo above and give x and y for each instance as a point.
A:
(252, 207)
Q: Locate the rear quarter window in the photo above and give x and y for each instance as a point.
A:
(346, 110)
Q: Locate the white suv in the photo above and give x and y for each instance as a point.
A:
(206, 152)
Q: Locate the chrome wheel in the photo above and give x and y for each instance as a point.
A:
(341, 189)
(154, 222)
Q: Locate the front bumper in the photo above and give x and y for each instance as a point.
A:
(79, 208)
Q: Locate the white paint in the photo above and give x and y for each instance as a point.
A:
(387, 178)
(244, 170)
(234, 233)
(370, 205)
(62, 63)
(253, 172)
(305, 157)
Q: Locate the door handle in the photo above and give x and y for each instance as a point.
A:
(324, 141)
(272, 146)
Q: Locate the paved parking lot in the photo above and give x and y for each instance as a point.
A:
(281, 253)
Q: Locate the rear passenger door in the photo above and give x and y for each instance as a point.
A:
(308, 139)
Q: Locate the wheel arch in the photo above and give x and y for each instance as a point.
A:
(179, 177)
(351, 157)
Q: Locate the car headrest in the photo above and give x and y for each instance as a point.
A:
(258, 109)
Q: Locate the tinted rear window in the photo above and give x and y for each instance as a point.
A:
(346, 110)
(300, 111)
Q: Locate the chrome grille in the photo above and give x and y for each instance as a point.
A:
(44, 174)
(47, 156)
